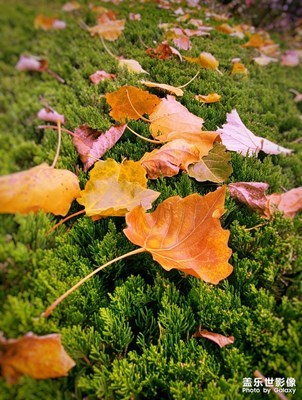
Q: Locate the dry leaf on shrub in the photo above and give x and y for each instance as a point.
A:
(253, 195)
(131, 66)
(121, 108)
(170, 115)
(209, 98)
(185, 234)
(217, 338)
(236, 137)
(99, 76)
(171, 89)
(48, 23)
(39, 188)
(214, 167)
(92, 144)
(40, 357)
(170, 158)
(114, 189)
(164, 51)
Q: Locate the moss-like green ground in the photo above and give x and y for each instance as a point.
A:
(130, 327)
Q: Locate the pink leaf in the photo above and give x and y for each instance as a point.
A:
(31, 63)
(100, 76)
(47, 114)
(290, 58)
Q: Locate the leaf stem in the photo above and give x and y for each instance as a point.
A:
(106, 48)
(191, 80)
(144, 138)
(134, 109)
(258, 374)
(55, 127)
(55, 75)
(66, 294)
(58, 146)
(216, 69)
(64, 220)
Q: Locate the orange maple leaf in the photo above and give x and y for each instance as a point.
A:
(39, 357)
(185, 234)
(130, 102)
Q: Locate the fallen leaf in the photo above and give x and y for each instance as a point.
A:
(236, 137)
(98, 9)
(114, 189)
(110, 30)
(163, 51)
(71, 6)
(252, 194)
(39, 188)
(40, 357)
(50, 115)
(170, 158)
(289, 202)
(182, 42)
(185, 234)
(141, 101)
(170, 115)
(134, 17)
(298, 96)
(205, 60)
(290, 58)
(92, 144)
(32, 63)
(214, 337)
(171, 89)
(100, 76)
(204, 140)
(239, 69)
(132, 66)
(48, 23)
(255, 40)
(270, 50)
(264, 60)
(214, 167)
(225, 28)
(209, 98)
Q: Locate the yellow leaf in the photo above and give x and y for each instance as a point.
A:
(132, 66)
(114, 189)
(209, 98)
(171, 89)
(239, 69)
(109, 30)
(205, 60)
(39, 188)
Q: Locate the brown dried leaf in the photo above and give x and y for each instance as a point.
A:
(185, 234)
(92, 144)
(40, 357)
(219, 339)
(170, 158)
(251, 194)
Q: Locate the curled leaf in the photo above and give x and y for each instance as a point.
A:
(92, 144)
(114, 189)
(205, 60)
(209, 98)
(170, 158)
(236, 137)
(164, 51)
(185, 234)
(141, 102)
(251, 194)
(48, 23)
(40, 357)
(31, 63)
(132, 66)
(171, 89)
(170, 115)
(239, 69)
(39, 188)
(217, 338)
(100, 76)
(50, 115)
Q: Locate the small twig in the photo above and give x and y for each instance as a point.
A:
(58, 146)
(143, 43)
(66, 294)
(256, 226)
(55, 127)
(191, 80)
(144, 138)
(106, 48)
(64, 220)
(134, 109)
(297, 140)
(294, 91)
(55, 75)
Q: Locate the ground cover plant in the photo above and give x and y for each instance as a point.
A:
(183, 103)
